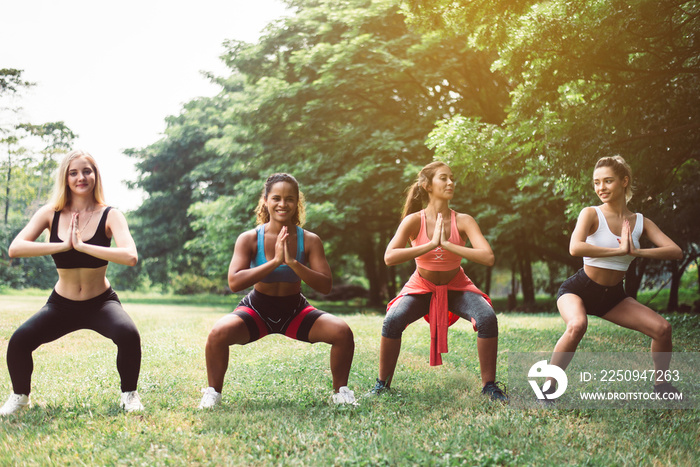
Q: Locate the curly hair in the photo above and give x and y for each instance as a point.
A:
(263, 214)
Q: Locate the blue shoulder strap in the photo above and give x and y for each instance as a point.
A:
(301, 257)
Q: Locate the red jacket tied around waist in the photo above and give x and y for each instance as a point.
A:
(438, 314)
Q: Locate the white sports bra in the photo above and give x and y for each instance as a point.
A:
(603, 237)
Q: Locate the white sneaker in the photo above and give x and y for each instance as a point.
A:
(15, 403)
(210, 398)
(344, 396)
(131, 402)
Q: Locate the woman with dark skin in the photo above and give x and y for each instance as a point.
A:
(437, 236)
(607, 237)
(274, 259)
(82, 228)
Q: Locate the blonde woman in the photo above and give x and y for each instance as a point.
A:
(81, 228)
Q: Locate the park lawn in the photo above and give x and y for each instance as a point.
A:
(277, 410)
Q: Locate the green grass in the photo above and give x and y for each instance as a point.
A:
(277, 410)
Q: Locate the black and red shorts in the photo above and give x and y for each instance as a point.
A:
(290, 315)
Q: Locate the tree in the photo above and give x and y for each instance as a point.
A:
(589, 79)
(345, 96)
(29, 150)
(342, 95)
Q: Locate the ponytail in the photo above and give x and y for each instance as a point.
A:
(416, 198)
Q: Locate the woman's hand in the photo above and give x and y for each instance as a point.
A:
(74, 238)
(289, 259)
(625, 239)
(281, 246)
(445, 237)
(632, 249)
(437, 232)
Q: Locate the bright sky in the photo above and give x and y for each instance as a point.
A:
(113, 71)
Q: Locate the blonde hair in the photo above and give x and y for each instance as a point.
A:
(621, 168)
(418, 196)
(262, 213)
(61, 193)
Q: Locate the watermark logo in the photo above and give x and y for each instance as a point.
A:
(542, 369)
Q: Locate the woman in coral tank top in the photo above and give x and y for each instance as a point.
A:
(437, 236)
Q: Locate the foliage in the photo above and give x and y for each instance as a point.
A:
(29, 159)
(526, 95)
(342, 95)
(588, 79)
(191, 284)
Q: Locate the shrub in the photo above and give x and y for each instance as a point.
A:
(190, 284)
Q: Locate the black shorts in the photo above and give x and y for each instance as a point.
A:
(597, 299)
(290, 315)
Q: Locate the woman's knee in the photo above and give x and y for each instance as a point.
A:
(338, 332)
(23, 339)
(577, 328)
(663, 331)
(229, 330)
(392, 328)
(218, 334)
(127, 335)
(487, 324)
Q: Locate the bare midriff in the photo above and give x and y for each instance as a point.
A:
(81, 283)
(438, 277)
(604, 277)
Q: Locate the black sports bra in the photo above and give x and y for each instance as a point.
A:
(73, 259)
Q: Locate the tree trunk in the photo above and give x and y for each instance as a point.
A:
(382, 268)
(527, 284)
(487, 281)
(369, 260)
(676, 274)
(633, 278)
(391, 284)
(513, 295)
(7, 189)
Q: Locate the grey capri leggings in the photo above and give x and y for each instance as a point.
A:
(466, 305)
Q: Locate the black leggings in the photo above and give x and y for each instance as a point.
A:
(60, 316)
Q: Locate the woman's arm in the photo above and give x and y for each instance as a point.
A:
(397, 252)
(240, 274)
(318, 273)
(25, 245)
(124, 251)
(665, 247)
(586, 224)
(480, 250)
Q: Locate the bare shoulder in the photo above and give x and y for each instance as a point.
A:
(411, 224)
(465, 220)
(44, 215)
(311, 238)
(249, 237)
(115, 214)
(464, 217)
(45, 211)
(588, 215)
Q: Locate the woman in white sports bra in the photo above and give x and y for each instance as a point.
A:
(607, 237)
